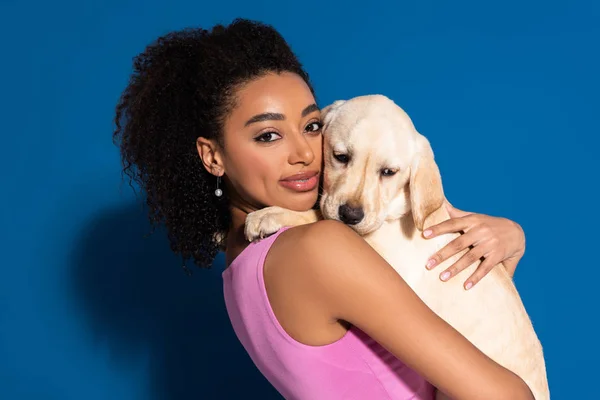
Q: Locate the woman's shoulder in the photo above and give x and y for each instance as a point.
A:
(331, 230)
(320, 249)
(312, 241)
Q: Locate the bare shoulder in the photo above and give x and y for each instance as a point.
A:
(324, 236)
(328, 260)
(319, 245)
(316, 257)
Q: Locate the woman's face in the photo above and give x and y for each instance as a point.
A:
(272, 152)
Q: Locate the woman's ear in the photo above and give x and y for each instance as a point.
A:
(210, 154)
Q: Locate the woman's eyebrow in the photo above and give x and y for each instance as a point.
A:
(265, 117)
(312, 108)
(269, 116)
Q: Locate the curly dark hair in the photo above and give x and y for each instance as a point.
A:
(182, 87)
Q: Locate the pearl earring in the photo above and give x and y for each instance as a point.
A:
(218, 191)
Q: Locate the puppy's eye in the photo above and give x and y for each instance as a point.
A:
(388, 172)
(343, 158)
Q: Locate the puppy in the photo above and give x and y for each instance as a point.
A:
(380, 178)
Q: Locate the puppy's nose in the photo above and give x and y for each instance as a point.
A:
(350, 215)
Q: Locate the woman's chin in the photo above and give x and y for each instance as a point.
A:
(300, 203)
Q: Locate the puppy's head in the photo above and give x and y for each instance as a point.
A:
(377, 166)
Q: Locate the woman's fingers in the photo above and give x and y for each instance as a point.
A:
(482, 270)
(453, 225)
(467, 259)
(491, 239)
(476, 253)
(454, 247)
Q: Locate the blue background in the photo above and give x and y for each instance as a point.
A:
(507, 92)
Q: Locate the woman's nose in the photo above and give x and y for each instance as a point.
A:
(302, 152)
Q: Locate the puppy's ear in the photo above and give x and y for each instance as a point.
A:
(426, 192)
(327, 113)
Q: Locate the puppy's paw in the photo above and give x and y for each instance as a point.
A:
(265, 222)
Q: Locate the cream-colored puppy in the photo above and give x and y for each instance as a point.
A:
(381, 179)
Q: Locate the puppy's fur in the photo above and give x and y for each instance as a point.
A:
(391, 174)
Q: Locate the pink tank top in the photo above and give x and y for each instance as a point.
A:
(354, 367)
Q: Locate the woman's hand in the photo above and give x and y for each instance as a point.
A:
(492, 239)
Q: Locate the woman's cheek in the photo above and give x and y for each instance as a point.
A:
(260, 164)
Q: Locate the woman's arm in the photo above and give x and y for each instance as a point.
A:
(353, 283)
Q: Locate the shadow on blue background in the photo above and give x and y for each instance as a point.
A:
(139, 302)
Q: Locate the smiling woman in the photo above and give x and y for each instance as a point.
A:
(320, 313)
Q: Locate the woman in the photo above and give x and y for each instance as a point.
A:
(216, 124)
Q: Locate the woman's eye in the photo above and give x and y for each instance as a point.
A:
(268, 137)
(343, 158)
(314, 126)
(388, 172)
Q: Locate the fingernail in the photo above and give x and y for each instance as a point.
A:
(430, 264)
(427, 233)
(469, 285)
(445, 276)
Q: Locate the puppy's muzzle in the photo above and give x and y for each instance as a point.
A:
(350, 215)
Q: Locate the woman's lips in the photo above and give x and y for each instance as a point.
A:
(304, 182)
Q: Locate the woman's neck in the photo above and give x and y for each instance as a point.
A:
(236, 241)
